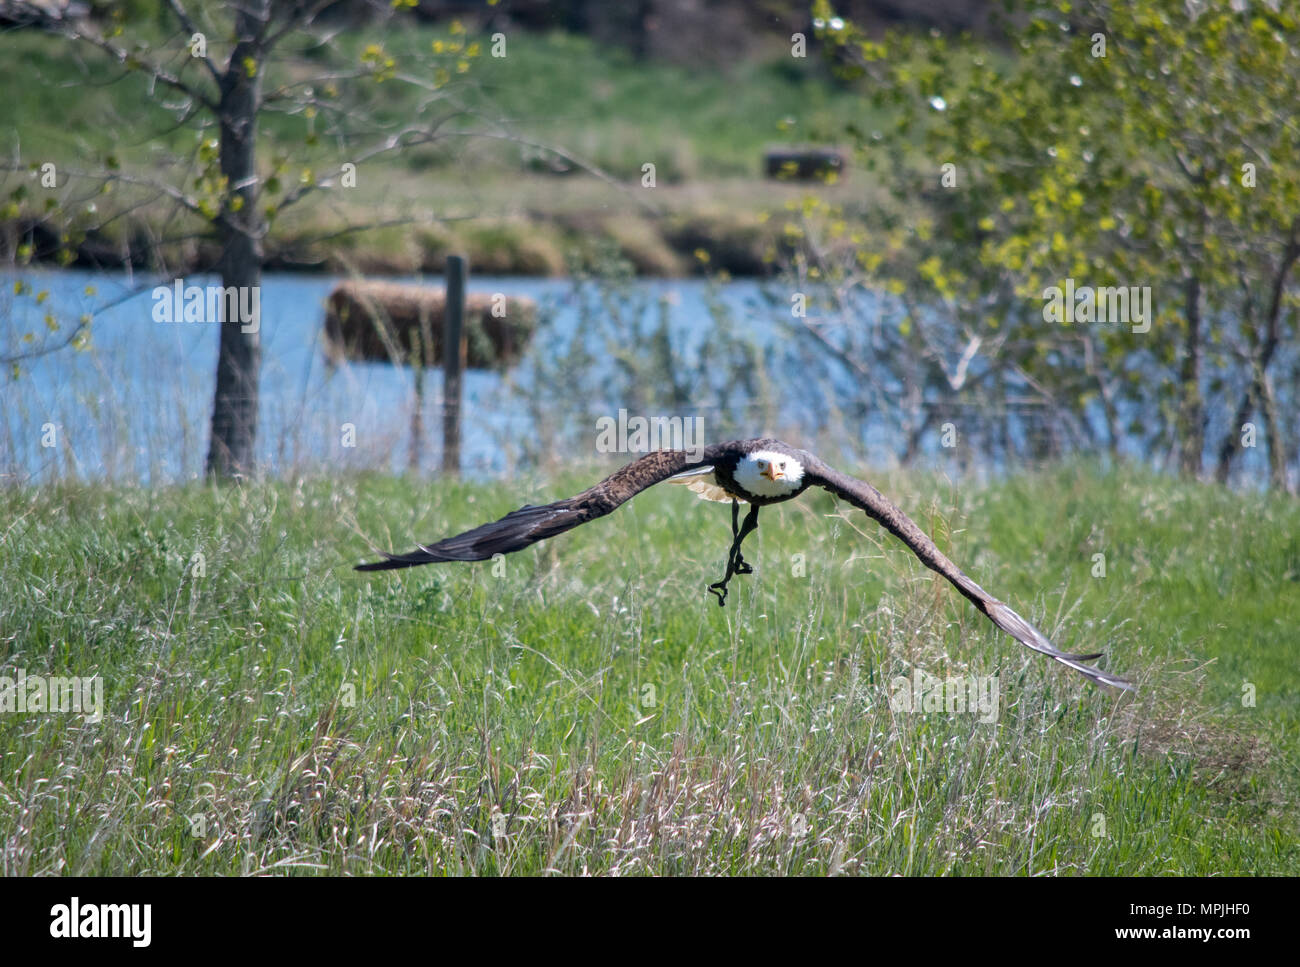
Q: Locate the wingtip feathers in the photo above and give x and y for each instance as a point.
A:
(1029, 636)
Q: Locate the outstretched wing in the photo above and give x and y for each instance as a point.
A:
(529, 524)
(883, 511)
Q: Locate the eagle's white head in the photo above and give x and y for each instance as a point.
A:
(769, 474)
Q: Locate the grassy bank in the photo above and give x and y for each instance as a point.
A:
(497, 199)
(590, 709)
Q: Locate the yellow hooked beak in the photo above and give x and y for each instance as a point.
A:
(771, 473)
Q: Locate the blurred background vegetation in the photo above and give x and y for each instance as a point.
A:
(988, 158)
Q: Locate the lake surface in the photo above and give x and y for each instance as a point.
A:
(137, 405)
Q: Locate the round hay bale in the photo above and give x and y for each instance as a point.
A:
(376, 321)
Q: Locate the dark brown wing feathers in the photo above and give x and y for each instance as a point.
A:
(528, 525)
(878, 507)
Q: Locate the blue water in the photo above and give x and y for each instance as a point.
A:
(137, 404)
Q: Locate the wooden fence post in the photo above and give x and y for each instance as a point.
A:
(453, 362)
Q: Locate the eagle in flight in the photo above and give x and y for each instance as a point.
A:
(756, 472)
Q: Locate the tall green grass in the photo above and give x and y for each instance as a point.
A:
(589, 709)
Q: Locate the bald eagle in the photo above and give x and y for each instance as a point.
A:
(754, 472)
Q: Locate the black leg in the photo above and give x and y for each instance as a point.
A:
(740, 567)
(735, 563)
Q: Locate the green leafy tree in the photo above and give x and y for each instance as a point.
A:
(1123, 143)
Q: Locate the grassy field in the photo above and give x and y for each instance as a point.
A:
(590, 710)
(703, 128)
(594, 99)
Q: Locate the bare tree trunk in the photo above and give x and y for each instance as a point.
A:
(1259, 391)
(239, 360)
(1273, 433)
(1230, 446)
(1193, 409)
